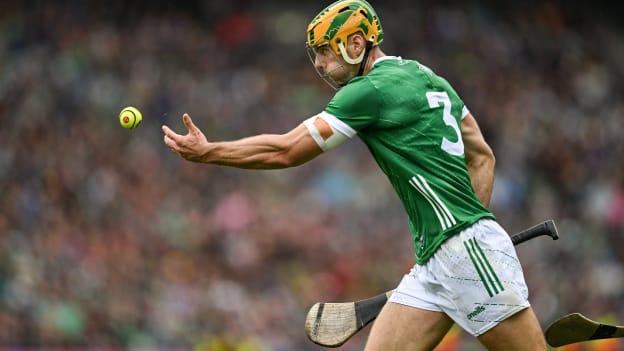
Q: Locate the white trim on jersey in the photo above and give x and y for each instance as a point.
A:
(384, 58)
(442, 205)
(465, 112)
(422, 192)
(445, 216)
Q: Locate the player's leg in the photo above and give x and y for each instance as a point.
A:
(520, 332)
(481, 272)
(401, 327)
(413, 318)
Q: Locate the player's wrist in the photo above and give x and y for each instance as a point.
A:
(208, 152)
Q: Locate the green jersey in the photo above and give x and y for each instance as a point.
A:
(410, 120)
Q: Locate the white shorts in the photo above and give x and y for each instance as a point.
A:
(474, 277)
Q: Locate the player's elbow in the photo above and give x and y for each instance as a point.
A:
(488, 154)
(283, 155)
(488, 159)
(297, 148)
(288, 159)
(281, 160)
(481, 157)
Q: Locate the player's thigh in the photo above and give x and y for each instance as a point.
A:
(400, 327)
(520, 332)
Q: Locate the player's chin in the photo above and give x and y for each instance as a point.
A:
(341, 79)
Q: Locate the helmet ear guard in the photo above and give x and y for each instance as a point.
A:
(358, 60)
(347, 58)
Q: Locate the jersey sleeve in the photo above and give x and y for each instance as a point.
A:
(465, 112)
(357, 105)
(458, 104)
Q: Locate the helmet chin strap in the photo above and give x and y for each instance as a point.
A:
(367, 50)
(345, 55)
(360, 59)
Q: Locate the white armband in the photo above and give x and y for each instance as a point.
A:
(335, 139)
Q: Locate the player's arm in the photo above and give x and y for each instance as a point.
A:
(479, 159)
(267, 151)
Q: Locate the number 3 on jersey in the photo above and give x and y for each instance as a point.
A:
(435, 99)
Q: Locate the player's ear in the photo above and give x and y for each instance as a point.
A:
(356, 44)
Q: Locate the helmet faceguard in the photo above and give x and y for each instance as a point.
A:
(326, 76)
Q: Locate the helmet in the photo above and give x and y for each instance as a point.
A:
(338, 21)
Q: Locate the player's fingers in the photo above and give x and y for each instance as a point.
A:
(171, 134)
(188, 122)
(171, 144)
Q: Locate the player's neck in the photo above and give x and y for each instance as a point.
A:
(375, 54)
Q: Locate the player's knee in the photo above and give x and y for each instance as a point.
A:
(520, 332)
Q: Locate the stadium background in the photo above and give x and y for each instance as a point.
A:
(110, 240)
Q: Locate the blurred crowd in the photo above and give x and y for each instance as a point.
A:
(107, 239)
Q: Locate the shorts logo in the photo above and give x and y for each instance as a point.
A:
(476, 312)
(489, 278)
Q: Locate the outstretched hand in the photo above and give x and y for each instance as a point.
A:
(193, 146)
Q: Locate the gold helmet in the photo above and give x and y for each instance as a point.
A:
(338, 21)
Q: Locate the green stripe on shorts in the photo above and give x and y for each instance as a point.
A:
(487, 273)
(487, 262)
(474, 262)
